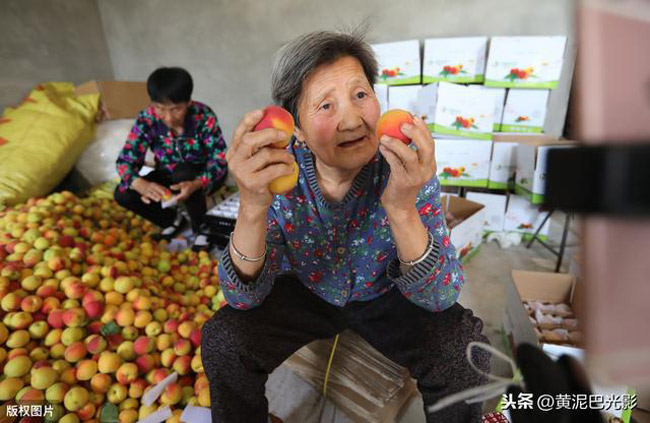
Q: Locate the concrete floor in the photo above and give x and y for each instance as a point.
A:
(488, 272)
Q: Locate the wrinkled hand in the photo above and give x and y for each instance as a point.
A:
(186, 189)
(409, 169)
(254, 162)
(149, 191)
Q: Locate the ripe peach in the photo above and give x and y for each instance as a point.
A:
(390, 123)
(18, 366)
(43, 377)
(143, 345)
(186, 328)
(87, 411)
(182, 347)
(96, 344)
(74, 317)
(75, 352)
(86, 369)
(71, 335)
(171, 326)
(109, 362)
(172, 394)
(116, 393)
(18, 339)
(126, 351)
(284, 183)
(167, 358)
(142, 319)
(145, 363)
(182, 365)
(204, 398)
(125, 317)
(75, 398)
(56, 392)
(100, 383)
(278, 118)
(124, 284)
(10, 387)
(31, 303)
(196, 364)
(127, 373)
(137, 387)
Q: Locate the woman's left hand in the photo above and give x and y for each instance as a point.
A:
(186, 189)
(409, 169)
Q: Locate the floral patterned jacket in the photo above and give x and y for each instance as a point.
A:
(202, 143)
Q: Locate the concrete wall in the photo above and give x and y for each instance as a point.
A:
(49, 40)
(228, 45)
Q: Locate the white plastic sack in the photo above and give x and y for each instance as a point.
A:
(97, 162)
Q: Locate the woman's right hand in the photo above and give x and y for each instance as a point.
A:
(254, 162)
(149, 191)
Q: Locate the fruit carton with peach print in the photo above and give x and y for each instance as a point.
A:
(454, 59)
(399, 62)
(463, 162)
(525, 62)
(524, 218)
(525, 111)
(530, 176)
(464, 111)
(467, 235)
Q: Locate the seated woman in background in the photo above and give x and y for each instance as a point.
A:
(189, 151)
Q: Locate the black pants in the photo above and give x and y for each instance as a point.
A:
(240, 348)
(195, 204)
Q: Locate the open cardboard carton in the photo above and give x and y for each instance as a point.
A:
(554, 288)
(530, 179)
(535, 286)
(118, 99)
(468, 234)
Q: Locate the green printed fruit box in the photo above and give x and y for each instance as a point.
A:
(525, 111)
(464, 111)
(459, 60)
(499, 104)
(530, 176)
(426, 103)
(495, 209)
(381, 91)
(399, 62)
(468, 234)
(524, 217)
(525, 62)
(404, 97)
(502, 165)
(463, 162)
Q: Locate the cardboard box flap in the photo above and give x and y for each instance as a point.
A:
(544, 286)
(460, 207)
(120, 99)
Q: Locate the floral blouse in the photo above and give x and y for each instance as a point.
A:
(202, 143)
(343, 251)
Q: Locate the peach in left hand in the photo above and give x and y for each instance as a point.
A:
(390, 123)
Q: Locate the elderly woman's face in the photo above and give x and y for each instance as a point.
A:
(338, 112)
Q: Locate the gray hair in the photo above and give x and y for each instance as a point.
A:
(300, 57)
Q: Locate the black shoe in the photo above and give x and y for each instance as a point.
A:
(202, 239)
(171, 231)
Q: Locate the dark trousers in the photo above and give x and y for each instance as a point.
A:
(240, 348)
(195, 204)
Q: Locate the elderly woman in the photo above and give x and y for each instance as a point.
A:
(359, 243)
